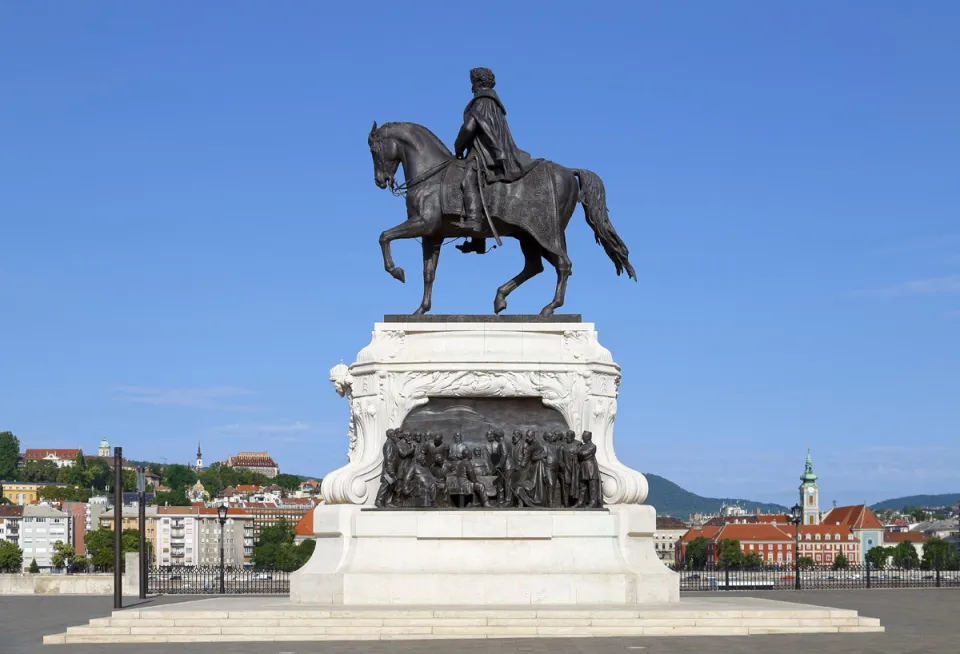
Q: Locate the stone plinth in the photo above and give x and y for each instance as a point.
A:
(405, 364)
(484, 558)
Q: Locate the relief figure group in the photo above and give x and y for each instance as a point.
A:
(532, 469)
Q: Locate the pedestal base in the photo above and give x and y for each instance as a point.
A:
(484, 558)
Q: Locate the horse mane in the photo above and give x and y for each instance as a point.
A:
(431, 136)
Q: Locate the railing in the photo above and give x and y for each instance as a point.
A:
(784, 577)
(205, 580)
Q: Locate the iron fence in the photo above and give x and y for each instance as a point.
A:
(205, 580)
(814, 578)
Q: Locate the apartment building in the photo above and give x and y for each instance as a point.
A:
(11, 523)
(190, 536)
(43, 527)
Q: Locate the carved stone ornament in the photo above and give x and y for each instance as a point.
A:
(405, 364)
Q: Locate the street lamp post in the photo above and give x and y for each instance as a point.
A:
(796, 515)
(222, 516)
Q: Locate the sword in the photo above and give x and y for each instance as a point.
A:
(480, 184)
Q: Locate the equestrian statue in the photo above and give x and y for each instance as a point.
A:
(491, 188)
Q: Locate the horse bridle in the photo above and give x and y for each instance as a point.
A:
(400, 190)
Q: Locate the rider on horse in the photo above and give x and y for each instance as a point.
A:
(492, 156)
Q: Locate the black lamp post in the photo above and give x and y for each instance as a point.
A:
(222, 516)
(796, 515)
(142, 526)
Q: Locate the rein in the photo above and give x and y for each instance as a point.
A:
(401, 189)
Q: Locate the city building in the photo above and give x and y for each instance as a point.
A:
(304, 529)
(103, 450)
(11, 523)
(824, 542)
(776, 519)
(290, 509)
(308, 488)
(190, 536)
(61, 457)
(78, 520)
(809, 494)
(669, 532)
(866, 529)
(915, 538)
(260, 462)
(24, 492)
(198, 467)
(43, 527)
(198, 493)
(95, 508)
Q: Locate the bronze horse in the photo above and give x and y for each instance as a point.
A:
(534, 210)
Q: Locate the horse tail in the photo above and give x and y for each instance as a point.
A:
(593, 197)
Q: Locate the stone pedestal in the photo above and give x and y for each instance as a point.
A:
(484, 558)
(490, 557)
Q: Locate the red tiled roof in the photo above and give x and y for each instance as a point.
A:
(706, 532)
(754, 532)
(856, 517)
(197, 510)
(667, 522)
(36, 453)
(246, 488)
(904, 537)
(305, 526)
(778, 518)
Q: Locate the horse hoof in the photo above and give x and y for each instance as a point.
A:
(499, 304)
(546, 312)
(420, 311)
(399, 274)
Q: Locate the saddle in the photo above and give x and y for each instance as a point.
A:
(530, 203)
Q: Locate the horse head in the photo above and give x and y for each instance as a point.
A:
(386, 156)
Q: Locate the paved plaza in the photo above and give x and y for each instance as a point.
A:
(916, 621)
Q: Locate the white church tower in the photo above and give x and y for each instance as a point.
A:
(199, 458)
(809, 494)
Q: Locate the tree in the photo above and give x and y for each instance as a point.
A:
(11, 557)
(877, 556)
(695, 553)
(34, 568)
(753, 560)
(39, 471)
(171, 498)
(729, 552)
(287, 482)
(179, 477)
(9, 454)
(806, 562)
(99, 546)
(155, 469)
(97, 474)
(276, 548)
(3, 500)
(905, 556)
(79, 462)
(129, 478)
(64, 494)
(63, 555)
(938, 553)
(841, 562)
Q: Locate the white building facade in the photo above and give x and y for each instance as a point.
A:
(42, 528)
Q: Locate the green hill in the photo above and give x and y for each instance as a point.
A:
(898, 503)
(670, 499)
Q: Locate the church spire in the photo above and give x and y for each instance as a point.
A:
(199, 467)
(808, 476)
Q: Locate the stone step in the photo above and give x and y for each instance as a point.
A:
(170, 626)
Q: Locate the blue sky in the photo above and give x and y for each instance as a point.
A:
(189, 223)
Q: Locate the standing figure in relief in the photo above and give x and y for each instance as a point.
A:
(389, 471)
(591, 495)
(532, 489)
(570, 469)
(551, 469)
